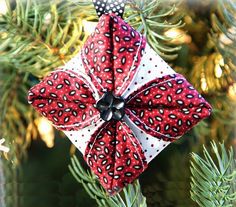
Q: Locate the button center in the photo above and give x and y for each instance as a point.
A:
(111, 107)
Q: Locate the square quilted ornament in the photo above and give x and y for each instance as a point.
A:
(118, 102)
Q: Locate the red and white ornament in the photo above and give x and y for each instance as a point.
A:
(118, 102)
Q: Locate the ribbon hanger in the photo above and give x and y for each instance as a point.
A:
(109, 6)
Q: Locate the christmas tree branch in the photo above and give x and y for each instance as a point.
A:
(130, 197)
(38, 36)
(213, 178)
(153, 26)
(224, 30)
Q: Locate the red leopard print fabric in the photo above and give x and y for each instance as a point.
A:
(66, 99)
(112, 54)
(165, 107)
(115, 156)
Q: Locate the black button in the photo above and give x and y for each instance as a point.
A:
(111, 107)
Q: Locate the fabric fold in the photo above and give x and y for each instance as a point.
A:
(115, 156)
(66, 99)
(112, 54)
(167, 107)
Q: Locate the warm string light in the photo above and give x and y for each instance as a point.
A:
(47, 18)
(204, 86)
(178, 36)
(219, 64)
(46, 131)
(203, 80)
(232, 91)
(225, 39)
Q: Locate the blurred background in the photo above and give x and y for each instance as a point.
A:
(197, 38)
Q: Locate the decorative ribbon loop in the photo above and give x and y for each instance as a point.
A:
(109, 6)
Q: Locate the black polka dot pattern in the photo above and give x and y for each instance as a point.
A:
(109, 6)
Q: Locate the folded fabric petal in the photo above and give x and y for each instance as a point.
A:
(167, 107)
(115, 156)
(66, 99)
(112, 54)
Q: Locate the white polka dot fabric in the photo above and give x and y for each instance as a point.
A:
(150, 145)
(81, 138)
(75, 64)
(151, 67)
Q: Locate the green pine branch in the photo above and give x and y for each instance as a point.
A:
(17, 117)
(224, 31)
(153, 18)
(38, 36)
(131, 196)
(213, 181)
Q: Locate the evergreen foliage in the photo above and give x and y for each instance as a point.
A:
(131, 196)
(213, 180)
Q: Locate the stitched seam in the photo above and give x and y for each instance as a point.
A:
(95, 140)
(114, 160)
(153, 86)
(132, 63)
(132, 125)
(151, 128)
(135, 75)
(82, 55)
(134, 146)
(71, 125)
(89, 83)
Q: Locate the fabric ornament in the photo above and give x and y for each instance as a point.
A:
(118, 102)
